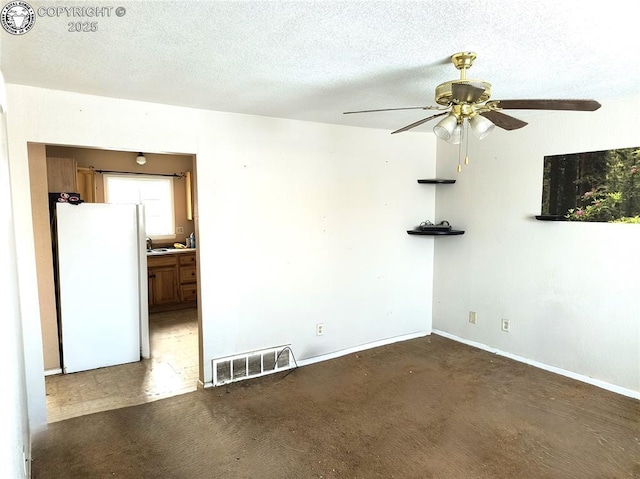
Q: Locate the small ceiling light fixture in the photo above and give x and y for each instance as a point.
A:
(140, 159)
(454, 128)
(481, 126)
(456, 136)
(446, 127)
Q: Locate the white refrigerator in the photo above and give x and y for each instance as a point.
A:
(102, 281)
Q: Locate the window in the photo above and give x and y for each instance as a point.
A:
(154, 192)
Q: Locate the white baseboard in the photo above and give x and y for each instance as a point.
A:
(563, 372)
(354, 349)
(51, 372)
(361, 347)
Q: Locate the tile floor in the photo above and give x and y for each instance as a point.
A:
(172, 370)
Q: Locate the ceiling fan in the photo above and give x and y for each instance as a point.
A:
(466, 104)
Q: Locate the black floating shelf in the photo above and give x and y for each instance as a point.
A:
(435, 233)
(551, 218)
(437, 181)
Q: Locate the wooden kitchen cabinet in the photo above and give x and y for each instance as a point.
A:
(86, 184)
(172, 281)
(61, 175)
(163, 280)
(188, 275)
(188, 259)
(164, 285)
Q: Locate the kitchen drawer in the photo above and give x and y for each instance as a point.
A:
(188, 259)
(188, 292)
(161, 260)
(187, 274)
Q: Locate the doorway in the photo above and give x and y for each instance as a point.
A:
(172, 367)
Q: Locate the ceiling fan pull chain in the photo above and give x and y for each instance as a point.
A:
(466, 141)
(460, 150)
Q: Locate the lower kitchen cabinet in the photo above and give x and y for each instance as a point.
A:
(163, 287)
(172, 281)
(188, 287)
(188, 292)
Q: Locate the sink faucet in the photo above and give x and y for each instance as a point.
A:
(149, 244)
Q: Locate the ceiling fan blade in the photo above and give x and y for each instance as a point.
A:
(395, 109)
(575, 105)
(465, 93)
(418, 123)
(503, 121)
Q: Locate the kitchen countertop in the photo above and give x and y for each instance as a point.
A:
(165, 251)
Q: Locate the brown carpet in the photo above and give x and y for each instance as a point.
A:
(426, 408)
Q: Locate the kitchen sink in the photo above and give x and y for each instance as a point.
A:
(167, 250)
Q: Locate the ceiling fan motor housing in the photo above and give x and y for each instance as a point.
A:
(444, 94)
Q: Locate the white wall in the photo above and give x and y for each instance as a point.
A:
(308, 225)
(570, 290)
(299, 222)
(14, 421)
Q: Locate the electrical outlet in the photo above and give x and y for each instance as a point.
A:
(505, 325)
(473, 317)
(179, 230)
(319, 329)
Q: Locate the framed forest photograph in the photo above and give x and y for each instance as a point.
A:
(601, 186)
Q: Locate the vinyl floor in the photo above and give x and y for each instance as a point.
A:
(171, 370)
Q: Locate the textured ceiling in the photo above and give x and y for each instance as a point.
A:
(312, 60)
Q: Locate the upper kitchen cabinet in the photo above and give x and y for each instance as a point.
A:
(86, 181)
(61, 175)
(64, 175)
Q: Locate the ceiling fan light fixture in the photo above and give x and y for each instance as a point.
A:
(140, 159)
(456, 136)
(481, 126)
(446, 127)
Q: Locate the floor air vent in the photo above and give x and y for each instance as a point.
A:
(251, 365)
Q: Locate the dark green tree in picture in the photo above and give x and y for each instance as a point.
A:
(593, 186)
